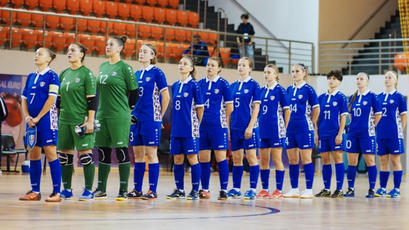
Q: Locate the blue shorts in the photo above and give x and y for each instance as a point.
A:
(238, 141)
(145, 133)
(271, 143)
(46, 137)
(184, 145)
(327, 144)
(214, 139)
(301, 140)
(390, 146)
(364, 145)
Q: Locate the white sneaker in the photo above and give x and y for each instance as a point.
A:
(306, 194)
(293, 193)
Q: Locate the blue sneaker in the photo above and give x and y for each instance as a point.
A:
(371, 194)
(394, 193)
(66, 194)
(380, 192)
(350, 193)
(250, 195)
(233, 193)
(86, 195)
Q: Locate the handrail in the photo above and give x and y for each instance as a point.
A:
(364, 41)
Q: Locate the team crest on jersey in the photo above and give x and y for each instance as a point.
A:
(113, 74)
(148, 79)
(216, 91)
(334, 103)
(185, 94)
(391, 101)
(272, 98)
(77, 80)
(246, 91)
(42, 84)
(300, 96)
(365, 103)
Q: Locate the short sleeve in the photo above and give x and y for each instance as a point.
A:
(343, 105)
(256, 93)
(227, 94)
(283, 99)
(197, 95)
(402, 105)
(312, 97)
(161, 80)
(376, 105)
(54, 84)
(130, 79)
(90, 83)
(25, 93)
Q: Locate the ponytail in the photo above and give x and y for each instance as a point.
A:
(352, 100)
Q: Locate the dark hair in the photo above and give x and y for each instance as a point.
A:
(50, 53)
(193, 72)
(335, 73)
(83, 49)
(249, 61)
(121, 41)
(218, 60)
(245, 16)
(154, 60)
(196, 36)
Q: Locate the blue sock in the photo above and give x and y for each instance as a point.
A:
(326, 176)
(294, 174)
(383, 178)
(309, 175)
(138, 173)
(397, 178)
(340, 173)
(55, 169)
(35, 175)
(153, 176)
(264, 176)
(195, 176)
(372, 176)
(205, 177)
(223, 174)
(237, 175)
(351, 174)
(279, 179)
(179, 174)
(254, 171)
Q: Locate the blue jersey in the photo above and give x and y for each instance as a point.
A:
(39, 86)
(332, 106)
(302, 100)
(271, 118)
(393, 106)
(245, 93)
(186, 97)
(216, 93)
(363, 111)
(151, 82)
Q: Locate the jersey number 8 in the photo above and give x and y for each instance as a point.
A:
(177, 105)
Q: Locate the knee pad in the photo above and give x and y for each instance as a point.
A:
(65, 158)
(86, 159)
(104, 155)
(122, 155)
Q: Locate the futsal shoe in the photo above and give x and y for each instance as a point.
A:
(277, 194)
(66, 194)
(394, 193)
(193, 195)
(177, 194)
(31, 196)
(293, 193)
(204, 194)
(223, 195)
(122, 196)
(337, 194)
(135, 195)
(54, 197)
(86, 195)
(250, 195)
(323, 193)
(307, 194)
(380, 192)
(263, 194)
(149, 195)
(350, 193)
(100, 195)
(233, 193)
(371, 194)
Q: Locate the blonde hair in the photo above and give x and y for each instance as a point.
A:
(249, 61)
(275, 68)
(396, 75)
(304, 68)
(154, 60)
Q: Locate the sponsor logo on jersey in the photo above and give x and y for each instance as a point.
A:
(391, 101)
(148, 79)
(77, 80)
(334, 103)
(49, 141)
(300, 96)
(216, 91)
(42, 84)
(272, 98)
(190, 150)
(185, 94)
(221, 146)
(119, 143)
(113, 73)
(365, 103)
(84, 145)
(246, 91)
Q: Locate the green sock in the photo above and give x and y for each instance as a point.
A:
(124, 170)
(103, 172)
(89, 172)
(66, 175)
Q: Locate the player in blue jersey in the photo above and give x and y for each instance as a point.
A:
(273, 120)
(365, 114)
(147, 121)
(389, 134)
(187, 113)
(244, 128)
(300, 132)
(38, 102)
(331, 124)
(218, 106)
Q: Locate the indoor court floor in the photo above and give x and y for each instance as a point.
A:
(318, 213)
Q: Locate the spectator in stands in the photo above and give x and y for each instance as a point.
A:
(198, 51)
(245, 42)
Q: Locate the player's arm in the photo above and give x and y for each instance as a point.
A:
(28, 118)
(229, 110)
(404, 118)
(133, 98)
(92, 106)
(165, 100)
(342, 122)
(199, 111)
(49, 103)
(287, 113)
(249, 130)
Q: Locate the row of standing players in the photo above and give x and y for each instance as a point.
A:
(206, 115)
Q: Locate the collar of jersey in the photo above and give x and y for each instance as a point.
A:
(149, 67)
(364, 94)
(299, 86)
(334, 93)
(214, 79)
(273, 86)
(186, 80)
(390, 93)
(44, 71)
(245, 80)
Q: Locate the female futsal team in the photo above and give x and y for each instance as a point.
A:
(208, 115)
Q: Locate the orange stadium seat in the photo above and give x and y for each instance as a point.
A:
(5, 16)
(129, 1)
(17, 3)
(225, 54)
(182, 17)
(119, 28)
(131, 30)
(31, 4)
(138, 45)
(59, 41)
(45, 5)
(87, 41)
(29, 38)
(129, 48)
(170, 34)
(157, 33)
(159, 49)
(111, 9)
(67, 23)
(210, 49)
(17, 37)
(162, 3)
(86, 7)
(73, 6)
(48, 39)
(180, 35)
(52, 21)
(188, 35)
(169, 49)
(193, 19)
(203, 36)
(4, 2)
(171, 16)
(147, 13)
(123, 10)
(174, 3)
(59, 5)
(144, 31)
(135, 12)
(98, 7)
(93, 26)
(212, 38)
(99, 44)
(23, 19)
(159, 14)
(69, 38)
(140, 2)
(82, 24)
(37, 20)
(4, 34)
(151, 2)
(39, 35)
(106, 27)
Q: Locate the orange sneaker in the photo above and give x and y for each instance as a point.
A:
(204, 194)
(30, 195)
(263, 194)
(54, 197)
(277, 194)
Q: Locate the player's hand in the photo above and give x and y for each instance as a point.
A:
(338, 139)
(29, 121)
(34, 121)
(89, 127)
(316, 137)
(248, 133)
